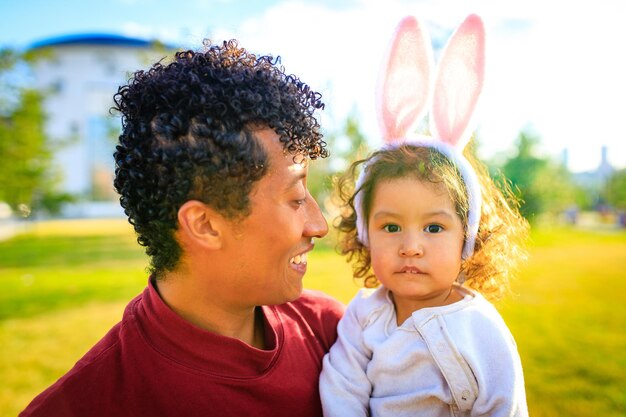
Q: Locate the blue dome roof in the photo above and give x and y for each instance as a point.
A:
(93, 39)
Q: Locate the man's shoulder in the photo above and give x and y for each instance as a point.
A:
(318, 303)
(57, 399)
(317, 311)
(100, 363)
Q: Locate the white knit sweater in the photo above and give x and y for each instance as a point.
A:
(454, 360)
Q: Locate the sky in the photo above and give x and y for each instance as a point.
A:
(554, 68)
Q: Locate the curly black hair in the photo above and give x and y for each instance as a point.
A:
(188, 133)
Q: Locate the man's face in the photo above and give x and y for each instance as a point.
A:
(267, 250)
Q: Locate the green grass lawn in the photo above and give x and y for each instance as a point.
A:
(66, 283)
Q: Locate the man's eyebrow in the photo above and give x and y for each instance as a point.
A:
(296, 178)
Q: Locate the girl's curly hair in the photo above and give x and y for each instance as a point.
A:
(502, 233)
(188, 133)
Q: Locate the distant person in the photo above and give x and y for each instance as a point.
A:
(211, 167)
(440, 239)
(571, 214)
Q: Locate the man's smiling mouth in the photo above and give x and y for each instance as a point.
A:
(299, 259)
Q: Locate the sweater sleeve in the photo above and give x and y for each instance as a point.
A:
(344, 387)
(497, 366)
(502, 392)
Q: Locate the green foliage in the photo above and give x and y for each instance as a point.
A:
(542, 185)
(346, 145)
(24, 155)
(52, 201)
(615, 190)
(8, 58)
(26, 179)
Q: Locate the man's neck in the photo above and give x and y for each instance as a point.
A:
(204, 310)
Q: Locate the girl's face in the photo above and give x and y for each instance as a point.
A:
(416, 239)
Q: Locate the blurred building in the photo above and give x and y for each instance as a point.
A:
(79, 75)
(593, 182)
(596, 178)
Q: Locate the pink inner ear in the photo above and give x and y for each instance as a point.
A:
(403, 89)
(459, 82)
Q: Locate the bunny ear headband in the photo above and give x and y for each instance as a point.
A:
(403, 95)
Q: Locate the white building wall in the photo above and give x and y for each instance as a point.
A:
(81, 80)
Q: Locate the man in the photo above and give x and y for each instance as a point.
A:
(211, 168)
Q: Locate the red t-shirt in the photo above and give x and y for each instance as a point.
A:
(154, 363)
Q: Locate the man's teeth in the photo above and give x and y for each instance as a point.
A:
(298, 259)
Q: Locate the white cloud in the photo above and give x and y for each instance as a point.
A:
(556, 65)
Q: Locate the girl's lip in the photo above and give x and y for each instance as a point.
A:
(411, 270)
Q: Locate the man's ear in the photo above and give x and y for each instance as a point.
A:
(201, 225)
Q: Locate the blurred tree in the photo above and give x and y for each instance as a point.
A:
(26, 178)
(543, 185)
(615, 190)
(345, 146)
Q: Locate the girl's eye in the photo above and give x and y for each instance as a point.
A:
(433, 228)
(391, 228)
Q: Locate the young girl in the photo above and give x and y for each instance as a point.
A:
(441, 239)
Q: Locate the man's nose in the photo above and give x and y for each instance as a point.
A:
(316, 225)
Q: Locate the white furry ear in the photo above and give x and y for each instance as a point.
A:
(459, 82)
(403, 93)
(404, 81)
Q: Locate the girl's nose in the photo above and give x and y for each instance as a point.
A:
(411, 247)
(414, 251)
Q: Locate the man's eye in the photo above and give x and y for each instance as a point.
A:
(434, 228)
(391, 228)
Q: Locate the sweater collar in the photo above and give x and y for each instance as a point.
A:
(202, 350)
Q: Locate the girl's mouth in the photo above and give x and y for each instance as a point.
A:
(411, 270)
